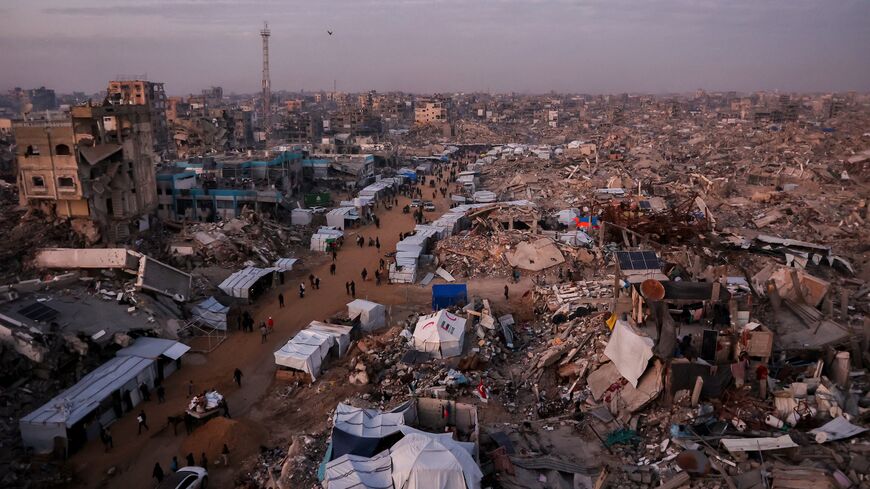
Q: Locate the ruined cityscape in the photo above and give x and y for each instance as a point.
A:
(460, 290)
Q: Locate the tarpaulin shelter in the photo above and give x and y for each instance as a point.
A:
(212, 313)
(305, 352)
(371, 315)
(370, 423)
(247, 282)
(341, 334)
(285, 264)
(446, 295)
(440, 334)
(424, 462)
(359, 472)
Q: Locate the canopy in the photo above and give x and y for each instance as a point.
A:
(356, 472)
(305, 352)
(239, 284)
(153, 348)
(424, 462)
(212, 313)
(370, 423)
(441, 334)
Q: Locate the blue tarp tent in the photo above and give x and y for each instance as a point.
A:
(446, 295)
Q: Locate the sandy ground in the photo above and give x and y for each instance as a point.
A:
(134, 455)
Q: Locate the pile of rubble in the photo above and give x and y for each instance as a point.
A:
(235, 242)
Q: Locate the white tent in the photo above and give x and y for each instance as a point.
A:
(305, 352)
(425, 462)
(340, 333)
(285, 264)
(441, 334)
(356, 472)
(368, 423)
(371, 314)
(212, 313)
(239, 283)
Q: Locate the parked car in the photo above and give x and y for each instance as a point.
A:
(416, 203)
(319, 210)
(186, 478)
(428, 206)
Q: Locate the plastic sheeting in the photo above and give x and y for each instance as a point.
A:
(370, 423)
(371, 314)
(441, 334)
(212, 313)
(629, 350)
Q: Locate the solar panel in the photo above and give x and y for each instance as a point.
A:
(38, 312)
(644, 204)
(638, 260)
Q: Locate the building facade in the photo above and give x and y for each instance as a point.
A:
(150, 94)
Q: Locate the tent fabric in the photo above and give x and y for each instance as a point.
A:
(441, 334)
(285, 264)
(356, 472)
(340, 333)
(212, 313)
(369, 423)
(305, 352)
(445, 295)
(630, 351)
(344, 443)
(239, 283)
(371, 314)
(424, 462)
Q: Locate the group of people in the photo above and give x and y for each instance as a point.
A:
(159, 474)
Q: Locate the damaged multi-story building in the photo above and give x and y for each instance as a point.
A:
(150, 94)
(94, 166)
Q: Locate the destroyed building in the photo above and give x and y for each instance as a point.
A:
(150, 94)
(95, 167)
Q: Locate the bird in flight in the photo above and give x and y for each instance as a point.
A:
(329, 32)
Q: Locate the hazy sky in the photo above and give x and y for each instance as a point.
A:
(589, 46)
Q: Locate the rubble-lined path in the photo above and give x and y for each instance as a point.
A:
(134, 456)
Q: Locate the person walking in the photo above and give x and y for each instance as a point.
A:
(506, 290)
(270, 323)
(203, 462)
(317, 283)
(311, 279)
(237, 376)
(263, 333)
(353, 289)
(106, 438)
(161, 394)
(378, 244)
(334, 255)
(173, 465)
(191, 461)
(225, 455)
(347, 287)
(280, 301)
(364, 274)
(377, 277)
(226, 408)
(302, 289)
(382, 264)
(157, 473)
(332, 269)
(143, 422)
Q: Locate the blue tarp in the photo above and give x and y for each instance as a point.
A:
(446, 295)
(410, 176)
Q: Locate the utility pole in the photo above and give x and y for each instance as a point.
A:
(267, 89)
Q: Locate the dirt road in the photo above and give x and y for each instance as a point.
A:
(134, 455)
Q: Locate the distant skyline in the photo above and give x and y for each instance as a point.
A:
(425, 46)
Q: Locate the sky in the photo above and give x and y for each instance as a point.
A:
(427, 46)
